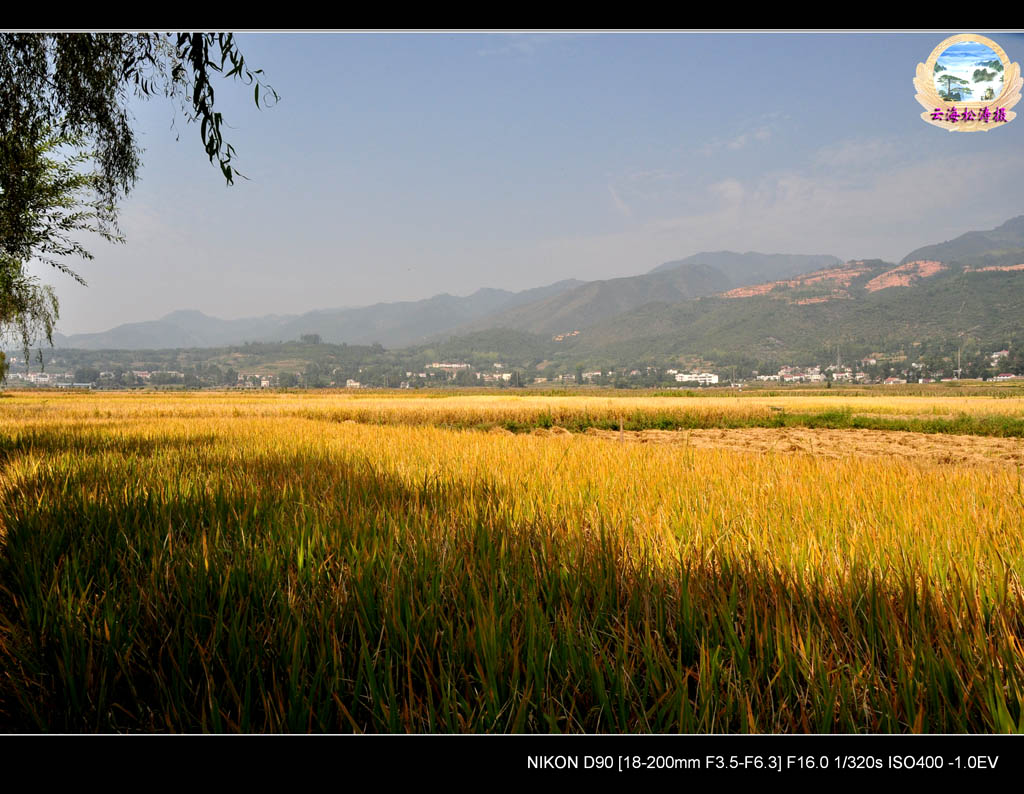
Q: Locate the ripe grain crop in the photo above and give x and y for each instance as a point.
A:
(293, 562)
(973, 415)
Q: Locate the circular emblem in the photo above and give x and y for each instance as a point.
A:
(968, 84)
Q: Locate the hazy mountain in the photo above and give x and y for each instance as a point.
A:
(412, 322)
(929, 299)
(1001, 239)
(752, 267)
(715, 301)
(594, 301)
(972, 285)
(391, 324)
(188, 328)
(867, 303)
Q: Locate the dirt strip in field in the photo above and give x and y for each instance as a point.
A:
(921, 447)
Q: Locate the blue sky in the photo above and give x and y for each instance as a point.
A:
(397, 166)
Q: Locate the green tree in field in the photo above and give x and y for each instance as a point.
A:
(69, 154)
(28, 309)
(48, 203)
(313, 378)
(86, 375)
(1014, 361)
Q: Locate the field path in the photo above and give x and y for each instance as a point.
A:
(921, 447)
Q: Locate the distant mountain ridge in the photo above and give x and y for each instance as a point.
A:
(564, 306)
(391, 324)
(1003, 238)
(592, 302)
(753, 267)
(708, 301)
(871, 304)
(934, 295)
(412, 322)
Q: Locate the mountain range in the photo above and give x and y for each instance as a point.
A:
(391, 324)
(564, 306)
(712, 302)
(861, 305)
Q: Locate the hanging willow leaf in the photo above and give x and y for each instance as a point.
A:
(68, 152)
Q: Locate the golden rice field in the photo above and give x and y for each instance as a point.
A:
(343, 562)
(454, 409)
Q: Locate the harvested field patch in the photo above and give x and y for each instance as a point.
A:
(919, 447)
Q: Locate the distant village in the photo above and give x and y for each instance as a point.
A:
(875, 369)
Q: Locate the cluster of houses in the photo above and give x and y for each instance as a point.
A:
(256, 381)
(595, 376)
(66, 380)
(816, 375)
(452, 368)
(35, 378)
(996, 358)
(494, 377)
(839, 373)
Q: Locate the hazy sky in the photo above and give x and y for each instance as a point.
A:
(397, 166)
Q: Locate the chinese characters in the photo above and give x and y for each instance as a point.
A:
(984, 115)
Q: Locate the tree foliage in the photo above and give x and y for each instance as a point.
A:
(955, 87)
(50, 196)
(81, 84)
(28, 309)
(68, 150)
(49, 202)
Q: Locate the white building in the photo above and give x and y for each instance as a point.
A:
(702, 378)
